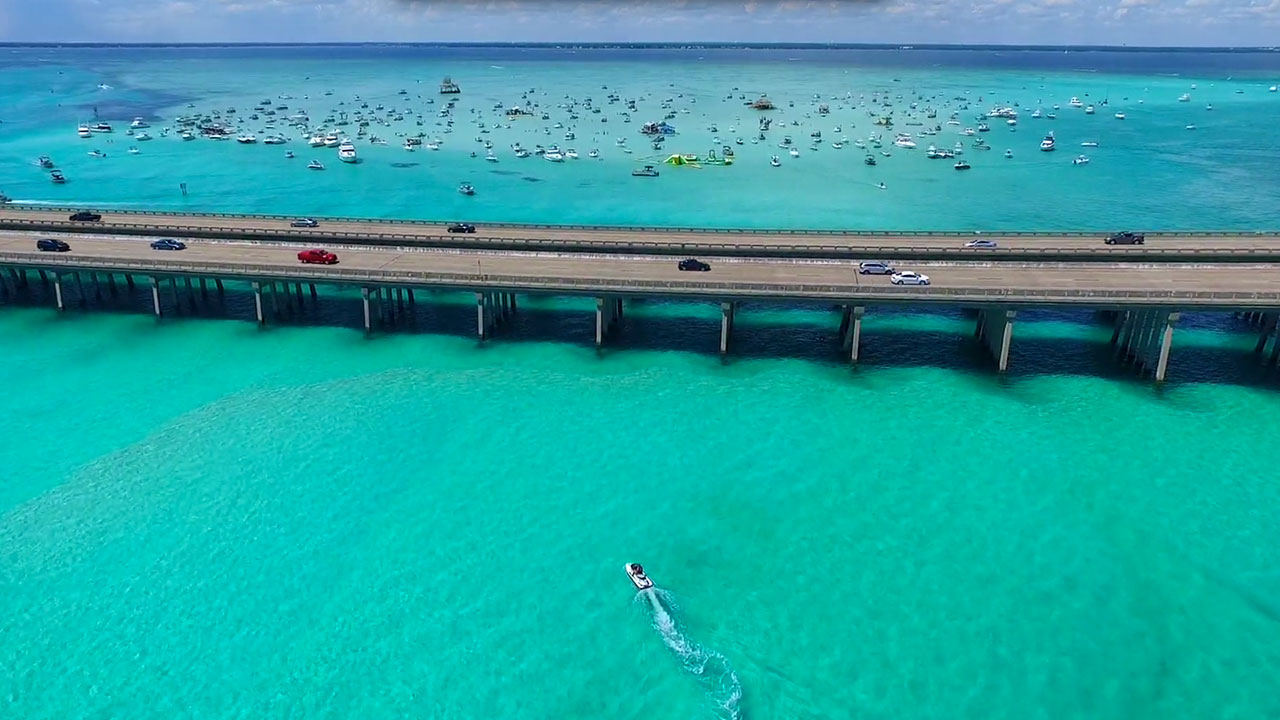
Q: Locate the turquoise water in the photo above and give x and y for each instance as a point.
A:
(1219, 176)
(200, 518)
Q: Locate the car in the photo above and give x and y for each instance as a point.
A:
(52, 245)
(304, 222)
(980, 244)
(909, 277)
(1126, 238)
(692, 265)
(316, 256)
(874, 268)
(86, 216)
(461, 228)
(168, 244)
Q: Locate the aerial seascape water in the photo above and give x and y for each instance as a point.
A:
(204, 518)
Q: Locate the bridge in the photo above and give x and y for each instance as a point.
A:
(1196, 247)
(1143, 300)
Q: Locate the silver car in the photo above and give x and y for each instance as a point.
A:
(874, 268)
(909, 277)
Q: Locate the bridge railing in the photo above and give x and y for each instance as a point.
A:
(337, 274)
(636, 246)
(652, 228)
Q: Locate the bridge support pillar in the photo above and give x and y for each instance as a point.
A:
(155, 295)
(1268, 329)
(218, 283)
(407, 291)
(257, 302)
(111, 284)
(204, 289)
(275, 298)
(481, 320)
(995, 330)
(1166, 342)
(727, 310)
(368, 318)
(852, 336)
(79, 287)
(57, 291)
(608, 312)
(128, 280)
(44, 279)
(312, 286)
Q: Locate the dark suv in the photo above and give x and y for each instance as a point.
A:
(692, 265)
(461, 228)
(1126, 238)
(86, 216)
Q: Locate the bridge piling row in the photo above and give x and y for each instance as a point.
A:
(727, 312)
(492, 310)
(1144, 339)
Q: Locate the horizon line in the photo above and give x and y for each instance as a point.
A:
(660, 45)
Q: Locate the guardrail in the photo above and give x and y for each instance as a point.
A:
(642, 246)
(651, 228)
(732, 289)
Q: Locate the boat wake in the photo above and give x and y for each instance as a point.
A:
(711, 669)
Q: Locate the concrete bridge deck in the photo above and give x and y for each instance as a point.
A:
(1253, 287)
(1082, 246)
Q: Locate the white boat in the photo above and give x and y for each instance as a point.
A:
(1208, 107)
(1047, 144)
(1184, 97)
(594, 154)
(571, 154)
(1011, 122)
(274, 140)
(347, 151)
(638, 578)
(246, 139)
(1088, 110)
(553, 156)
(1191, 127)
(1088, 143)
(138, 123)
(315, 165)
(186, 135)
(433, 145)
(1036, 114)
(331, 140)
(101, 127)
(408, 145)
(1075, 102)
(83, 131)
(134, 151)
(142, 136)
(774, 161)
(490, 157)
(1119, 116)
(316, 141)
(904, 141)
(794, 152)
(1008, 153)
(1080, 160)
(1272, 88)
(466, 189)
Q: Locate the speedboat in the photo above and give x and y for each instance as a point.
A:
(347, 152)
(638, 578)
(553, 156)
(274, 140)
(869, 160)
(593, 154)
(961, 165)
(1080, 160)
(571, 154)
(490, 157)
(97, 153)
(315, 165)
(316, 141)
(288, 154)
(774, 161)
(1119, 116)
(646, 171)
(1047, 144)
(1075, 102)
(1184, 97)
(246, 139)
(57, 177)
(134, 151)
(186, 135)
(793, 152)
(101, 127)
(466, 189)
(142, 136)
(331, 140)
(1191, 127)
(45, 162)
(408, 145)
(904, 141)
(1089, 143)
(83, 131)
(1008, 153)
(138, 123)
(1088, 110)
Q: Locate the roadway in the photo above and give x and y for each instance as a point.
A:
(1225, 247)
(606, 273)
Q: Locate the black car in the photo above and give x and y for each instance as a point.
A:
(304, 222)
(1126, 238)
(52, 245)
(692, 265)
(462, 227)
(86, 216)
(168, 244)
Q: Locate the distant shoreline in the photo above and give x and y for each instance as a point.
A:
(664, 46)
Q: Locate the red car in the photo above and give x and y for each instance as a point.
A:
(318, 257)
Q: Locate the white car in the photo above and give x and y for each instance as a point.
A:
(875, 268)
(980, 244)
(909, 277)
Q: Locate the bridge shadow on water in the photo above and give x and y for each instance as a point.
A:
(1208, 347)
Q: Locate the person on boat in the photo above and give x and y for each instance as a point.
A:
(881, 186)
(637, 569)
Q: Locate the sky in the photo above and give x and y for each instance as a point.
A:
(1077, 22)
